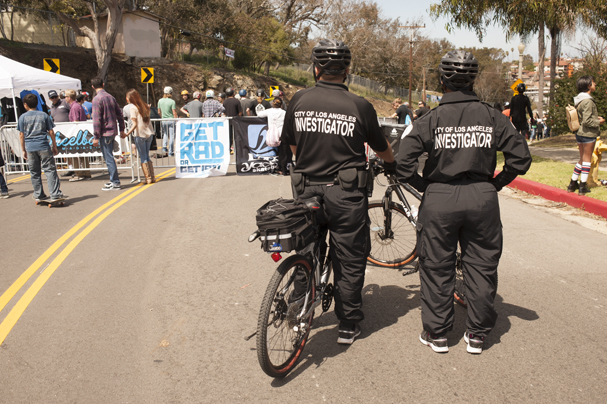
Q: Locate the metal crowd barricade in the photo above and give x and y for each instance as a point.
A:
(10, 146)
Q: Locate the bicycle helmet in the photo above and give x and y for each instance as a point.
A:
(168, 90)
(222, 95)
(506, 105)
(521, 88)
(331, 57)
(243, 93)
(185, 92)
(458, 70)
(210, 94)
(261, 92)
(229, 91)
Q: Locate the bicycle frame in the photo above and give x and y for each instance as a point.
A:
(395, 186)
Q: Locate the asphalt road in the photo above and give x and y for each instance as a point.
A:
(150, 303)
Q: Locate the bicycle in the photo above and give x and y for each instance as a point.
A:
(299, 285)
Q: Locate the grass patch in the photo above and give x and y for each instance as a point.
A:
(555, 174)
(288, 78)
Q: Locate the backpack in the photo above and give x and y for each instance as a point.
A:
(573, 120)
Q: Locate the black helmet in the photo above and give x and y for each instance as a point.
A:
(229, 91)
(331, 57)
(521, 88)
(458, 70)
(222, 95)
(261, 92)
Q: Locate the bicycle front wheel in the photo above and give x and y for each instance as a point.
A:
(393, 242)
(284, 324)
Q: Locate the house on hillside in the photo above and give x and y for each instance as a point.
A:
(138, 36)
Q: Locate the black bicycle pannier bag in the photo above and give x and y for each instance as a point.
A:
(285, 225)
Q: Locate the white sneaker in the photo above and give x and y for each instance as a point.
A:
(111, 187)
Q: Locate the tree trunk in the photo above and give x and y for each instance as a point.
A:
(554, 52)
(266, 70)
(12, 24)
(540, 68)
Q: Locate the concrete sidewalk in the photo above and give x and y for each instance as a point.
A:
(570, 156)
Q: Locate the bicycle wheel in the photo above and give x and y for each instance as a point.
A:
(393, 247)
(281, 332)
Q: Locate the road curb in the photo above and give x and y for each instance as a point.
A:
(559, 195)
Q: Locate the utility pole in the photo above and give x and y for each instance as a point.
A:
(411, 28)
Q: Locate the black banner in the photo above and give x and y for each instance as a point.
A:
(393, 133)
(253, 155)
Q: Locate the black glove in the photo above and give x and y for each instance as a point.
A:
(390, 168)
(418, 183)
(502, 179)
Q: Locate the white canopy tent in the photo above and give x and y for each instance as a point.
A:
(16, 77)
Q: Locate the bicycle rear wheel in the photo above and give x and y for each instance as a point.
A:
(282, 332)
(460, 285)
(395, 246)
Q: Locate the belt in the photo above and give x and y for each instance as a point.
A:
(326, 180)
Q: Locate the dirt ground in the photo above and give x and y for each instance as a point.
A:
(125, 73)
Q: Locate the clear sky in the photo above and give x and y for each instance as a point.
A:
(495, 37)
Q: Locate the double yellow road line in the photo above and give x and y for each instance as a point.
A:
(11, 319)
(23, 177)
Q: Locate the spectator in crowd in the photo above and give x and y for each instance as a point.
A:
(60, 112)
(80, 100)
(77, 114)
(422, 109)
(167, 109)
(546, 127)
(402, 112)
(590, 123)
(34, 129)
(276, 120)
(519, 105)
(245, 101)
(277, 94)
(261, 103)
(193, 109)
(506, 110)
(212, 107)
(87, 105)
(185, 97)
(233, 108)
(3, 186)
(237, 96)
(142, 130)
(126, 114)
(107, 118)
(221, 97)
(497, 105)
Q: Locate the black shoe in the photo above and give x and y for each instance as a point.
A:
(573, 186)
(584, 188)
(475, 342)
(438, 344)
(348, 333)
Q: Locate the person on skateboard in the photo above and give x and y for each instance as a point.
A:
(34, 129)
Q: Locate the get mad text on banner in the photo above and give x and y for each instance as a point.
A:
(202, 148)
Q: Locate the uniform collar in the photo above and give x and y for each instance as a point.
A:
(458, 96)
(334, 86)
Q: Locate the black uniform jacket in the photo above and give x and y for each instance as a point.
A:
(519, 106)
(329, 125)
(461, 137)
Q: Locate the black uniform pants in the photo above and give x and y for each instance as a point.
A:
(346, 215)
(285, 157)
(468, 213)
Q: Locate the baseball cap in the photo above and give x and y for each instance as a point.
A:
(276, 93)
(52, 94)
(185, 92)
(210, 94)
(168, 90)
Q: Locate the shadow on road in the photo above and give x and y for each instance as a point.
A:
(502, 325)
(383, 306)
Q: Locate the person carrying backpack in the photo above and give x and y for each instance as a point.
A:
(590, 122)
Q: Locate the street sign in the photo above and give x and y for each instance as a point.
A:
(272, 88)
(147, 74)
(516, 83)
(51, 65)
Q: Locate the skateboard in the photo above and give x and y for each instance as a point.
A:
(56, 202)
